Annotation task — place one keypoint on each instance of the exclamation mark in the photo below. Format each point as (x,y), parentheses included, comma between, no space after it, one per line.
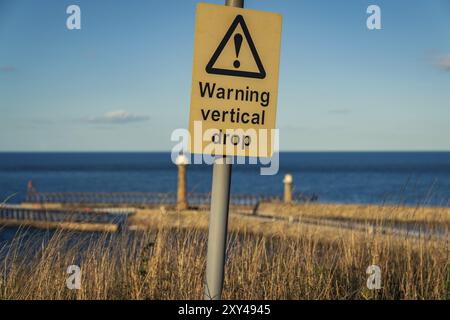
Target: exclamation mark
(237,47)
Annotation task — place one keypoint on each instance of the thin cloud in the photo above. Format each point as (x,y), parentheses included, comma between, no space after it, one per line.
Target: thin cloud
(291,127)
(339,111)
(7,69)
(117,117)
(90,55)
(443,62)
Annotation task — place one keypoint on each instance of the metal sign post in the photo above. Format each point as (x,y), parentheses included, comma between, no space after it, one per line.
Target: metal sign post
(218,218)
(233,105)
(218,223)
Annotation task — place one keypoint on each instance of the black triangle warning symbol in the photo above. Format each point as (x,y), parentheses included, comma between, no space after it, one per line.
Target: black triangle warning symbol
(261,74)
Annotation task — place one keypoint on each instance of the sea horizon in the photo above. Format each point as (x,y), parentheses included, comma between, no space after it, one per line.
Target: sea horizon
(284,151)
(410,178)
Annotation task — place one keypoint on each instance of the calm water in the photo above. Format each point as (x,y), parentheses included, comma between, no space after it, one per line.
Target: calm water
(410,178)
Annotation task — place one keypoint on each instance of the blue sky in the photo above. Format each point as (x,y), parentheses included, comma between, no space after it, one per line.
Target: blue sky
(122,82)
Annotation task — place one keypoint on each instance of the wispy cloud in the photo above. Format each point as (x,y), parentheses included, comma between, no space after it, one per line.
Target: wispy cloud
(339,111)
(291,127)
(117,117)
(7,69)
(443,62)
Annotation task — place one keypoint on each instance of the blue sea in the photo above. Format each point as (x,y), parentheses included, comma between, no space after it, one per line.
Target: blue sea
(413,178)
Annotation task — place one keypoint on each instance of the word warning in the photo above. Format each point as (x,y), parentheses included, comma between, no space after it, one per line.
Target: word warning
(234,81)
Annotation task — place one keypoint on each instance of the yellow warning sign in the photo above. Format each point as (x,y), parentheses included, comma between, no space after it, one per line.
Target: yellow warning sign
(234,81)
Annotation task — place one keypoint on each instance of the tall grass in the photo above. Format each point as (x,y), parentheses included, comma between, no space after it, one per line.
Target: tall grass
(371,213)
(265,261)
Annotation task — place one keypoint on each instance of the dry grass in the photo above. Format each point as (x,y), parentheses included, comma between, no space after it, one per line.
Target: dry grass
(375,213)
(266,260)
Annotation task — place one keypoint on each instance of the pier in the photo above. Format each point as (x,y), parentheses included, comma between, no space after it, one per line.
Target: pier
(148,199)
(109,211)
(82,219)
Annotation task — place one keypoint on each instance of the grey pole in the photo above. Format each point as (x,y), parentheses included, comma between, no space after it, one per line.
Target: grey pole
(218,222)
(218,218)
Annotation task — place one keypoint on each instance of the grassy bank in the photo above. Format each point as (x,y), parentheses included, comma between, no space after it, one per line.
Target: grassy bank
(366,213)
(266,260)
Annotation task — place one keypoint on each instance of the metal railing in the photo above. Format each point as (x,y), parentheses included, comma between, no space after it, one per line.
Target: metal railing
(53,215)
(149,198)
